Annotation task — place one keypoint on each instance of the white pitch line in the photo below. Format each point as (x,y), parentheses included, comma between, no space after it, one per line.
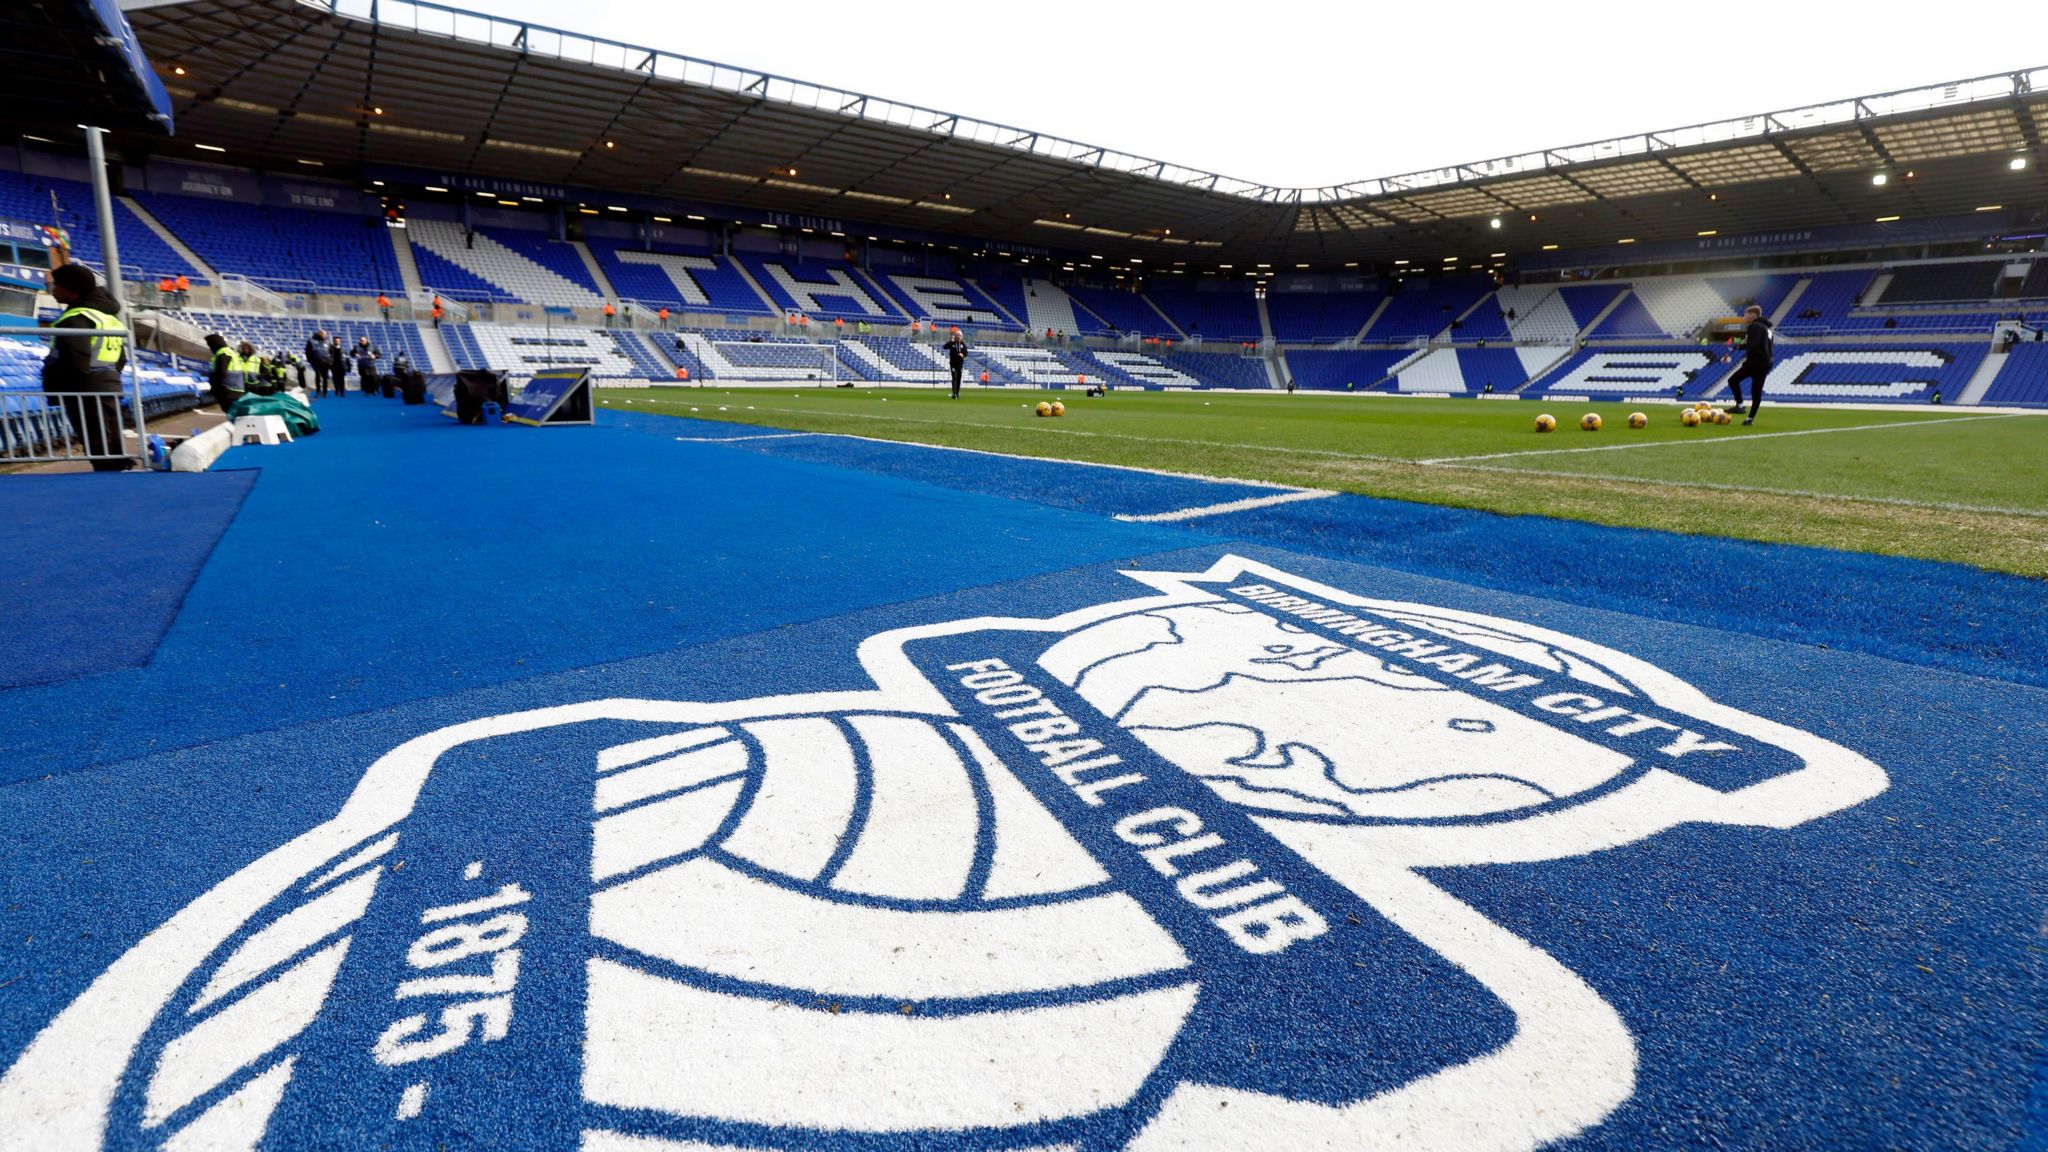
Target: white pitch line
(1456,462)
(1244,505)
(1050,426)
(1741,438)
(737,439)
(1710,486)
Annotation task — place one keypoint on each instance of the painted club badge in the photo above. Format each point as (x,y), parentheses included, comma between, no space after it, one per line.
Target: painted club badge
(1150,874)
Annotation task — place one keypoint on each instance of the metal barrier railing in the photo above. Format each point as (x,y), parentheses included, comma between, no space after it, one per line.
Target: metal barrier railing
(57,427)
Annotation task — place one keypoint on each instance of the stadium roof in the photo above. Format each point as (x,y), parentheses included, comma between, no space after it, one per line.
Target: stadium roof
(327,83)
(70,62)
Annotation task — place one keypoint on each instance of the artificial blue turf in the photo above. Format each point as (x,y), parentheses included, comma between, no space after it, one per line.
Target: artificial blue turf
(1868,980)
(399,555)
(97,565)
(1920,611)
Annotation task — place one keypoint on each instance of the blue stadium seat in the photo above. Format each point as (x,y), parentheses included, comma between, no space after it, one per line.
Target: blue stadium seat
(1219,369)
(1228,313)
(1118,310)
(272,334)
(283,247)
(1421,309)
(822,289)
(1318,317)
(1587,301)
(949,300)
(142,251)
(681,280)
(1346,370)
(2023,381)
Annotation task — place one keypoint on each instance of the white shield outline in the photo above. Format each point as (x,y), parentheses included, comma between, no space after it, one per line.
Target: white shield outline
(1570,1063)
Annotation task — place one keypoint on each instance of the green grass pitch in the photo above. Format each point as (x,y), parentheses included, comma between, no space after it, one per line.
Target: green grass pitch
(1947,484)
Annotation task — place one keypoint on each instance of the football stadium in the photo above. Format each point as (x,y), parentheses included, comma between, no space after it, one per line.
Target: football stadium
(566,595)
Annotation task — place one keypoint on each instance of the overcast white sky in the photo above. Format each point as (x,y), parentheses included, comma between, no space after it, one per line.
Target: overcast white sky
(1322,93)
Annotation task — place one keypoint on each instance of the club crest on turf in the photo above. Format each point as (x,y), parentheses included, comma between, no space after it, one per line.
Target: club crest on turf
(1160,872)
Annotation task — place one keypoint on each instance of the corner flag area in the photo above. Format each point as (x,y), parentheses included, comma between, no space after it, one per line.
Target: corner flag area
(734,774)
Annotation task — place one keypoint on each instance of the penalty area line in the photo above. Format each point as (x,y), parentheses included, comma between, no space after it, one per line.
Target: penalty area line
(1740,438)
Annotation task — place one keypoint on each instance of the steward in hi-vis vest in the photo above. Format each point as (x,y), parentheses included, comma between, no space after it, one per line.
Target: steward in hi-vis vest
(88,364)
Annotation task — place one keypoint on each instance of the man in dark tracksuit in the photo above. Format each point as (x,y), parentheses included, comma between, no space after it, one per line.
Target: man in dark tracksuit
(89,364)
(366,366)
(956,358)
(319,357)
(1756,363)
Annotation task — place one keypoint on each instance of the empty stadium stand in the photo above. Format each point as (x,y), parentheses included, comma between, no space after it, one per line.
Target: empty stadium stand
(1043,367)
(644,350)
(1612,373)
(1677,306)
(1137,370)
(1345,370)
(897,360)
(282,247)
(945,299)
(1228,313)
(1041,305)
(1967,282)
(1463,371)
(1629,320)
(501,264)
(762,360)
(143,252)
(1218,369)
(1318,317)
(679,281)
(1009,295)
(523,350)
(1826,302)
(1422,308)
(32,424)
(289,334)
(169,384)
(1119,311)
(1765,290)
(1587,301)
(1487,321)
(1539,314)
(2023,380)
(2035,285)
(827,289)
(1891,373)
(1888,374)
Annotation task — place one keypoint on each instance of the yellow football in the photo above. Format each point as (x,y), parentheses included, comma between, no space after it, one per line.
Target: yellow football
(1546,422)
(1590,422)
(1059,409)
(1043,409)
(1690,417)
(1638,420)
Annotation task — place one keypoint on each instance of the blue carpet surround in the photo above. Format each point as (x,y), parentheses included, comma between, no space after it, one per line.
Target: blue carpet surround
(80,592)
(1950,615)
(591,788)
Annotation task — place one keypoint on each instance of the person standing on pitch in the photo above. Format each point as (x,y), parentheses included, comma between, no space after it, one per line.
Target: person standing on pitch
(956,358)
(1756,363)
